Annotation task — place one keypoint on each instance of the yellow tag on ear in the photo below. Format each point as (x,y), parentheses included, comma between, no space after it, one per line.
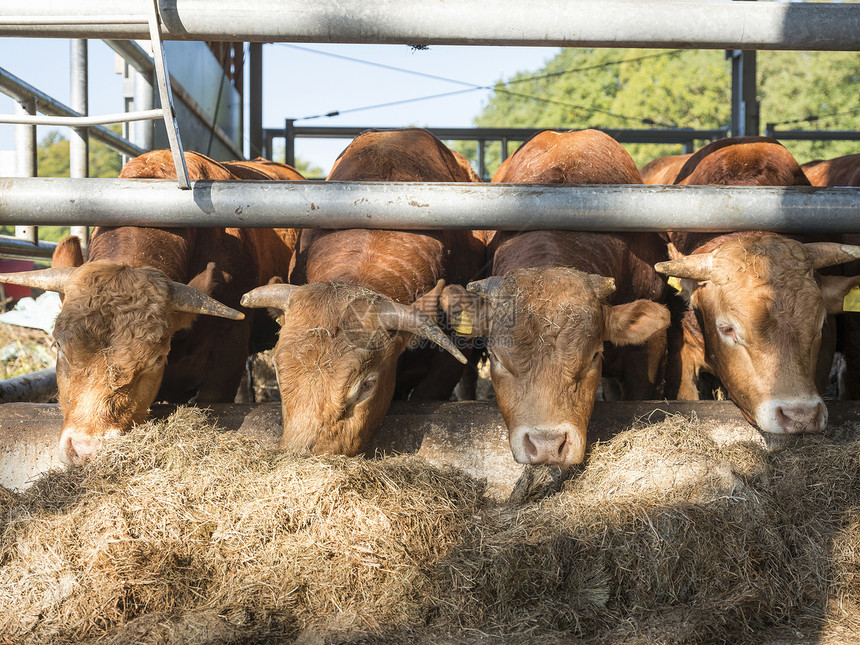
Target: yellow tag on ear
(675,283)
(462,323)
(851,301)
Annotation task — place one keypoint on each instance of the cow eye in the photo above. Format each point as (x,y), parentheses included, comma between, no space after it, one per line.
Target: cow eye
(596,356)
(365,389)
(728,332)
(497,363)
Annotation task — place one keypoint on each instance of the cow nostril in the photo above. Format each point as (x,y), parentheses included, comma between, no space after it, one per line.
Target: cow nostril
(562,449)
(531,448)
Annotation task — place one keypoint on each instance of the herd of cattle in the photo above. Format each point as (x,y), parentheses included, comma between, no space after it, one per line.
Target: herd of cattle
(370,315)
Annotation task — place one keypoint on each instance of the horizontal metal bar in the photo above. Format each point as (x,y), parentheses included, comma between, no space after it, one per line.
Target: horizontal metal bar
(622,135)
(13,86)
(11,247)
(688,24)
(813,135)
(417,206)
(84,121)
(116,19)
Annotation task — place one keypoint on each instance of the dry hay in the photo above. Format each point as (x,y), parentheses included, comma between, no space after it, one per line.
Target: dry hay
(180,534)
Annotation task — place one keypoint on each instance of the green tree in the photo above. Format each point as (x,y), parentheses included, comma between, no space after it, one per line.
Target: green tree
(635,88)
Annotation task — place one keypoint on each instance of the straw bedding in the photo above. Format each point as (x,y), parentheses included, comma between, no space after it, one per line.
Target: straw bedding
(177,533)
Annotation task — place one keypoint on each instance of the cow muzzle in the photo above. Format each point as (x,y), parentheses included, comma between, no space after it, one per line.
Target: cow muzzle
(792,416)
(560,445)
(77,447)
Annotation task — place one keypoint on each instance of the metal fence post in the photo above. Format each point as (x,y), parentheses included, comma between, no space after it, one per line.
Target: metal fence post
(79,141)
(26,159)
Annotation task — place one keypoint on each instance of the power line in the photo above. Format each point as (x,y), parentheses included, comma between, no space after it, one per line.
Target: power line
(476,87)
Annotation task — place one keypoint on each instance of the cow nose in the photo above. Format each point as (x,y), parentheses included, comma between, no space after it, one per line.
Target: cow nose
(77,447)
(801,418)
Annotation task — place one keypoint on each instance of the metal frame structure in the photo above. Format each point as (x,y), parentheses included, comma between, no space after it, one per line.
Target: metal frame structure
(612,23)
(684,136)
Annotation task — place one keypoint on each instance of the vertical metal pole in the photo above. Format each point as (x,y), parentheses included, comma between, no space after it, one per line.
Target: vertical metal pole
(128,76)
(26,160)
(482,162)
(144,99)
(255,89)
(745,108)
(79,148)
(290,142)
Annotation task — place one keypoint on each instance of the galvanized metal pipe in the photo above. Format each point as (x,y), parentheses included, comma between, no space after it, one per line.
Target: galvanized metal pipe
(26,160)
(13,86)
(79,141)
(416,206)
(686,24)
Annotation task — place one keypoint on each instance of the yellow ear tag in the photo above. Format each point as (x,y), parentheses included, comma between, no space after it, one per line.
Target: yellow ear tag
(851,301)
(675,283)
(462,323)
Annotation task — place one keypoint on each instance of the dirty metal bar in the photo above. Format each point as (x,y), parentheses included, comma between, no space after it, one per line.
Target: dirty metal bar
(685,24)
(13,86)
(417,206)
(34,387)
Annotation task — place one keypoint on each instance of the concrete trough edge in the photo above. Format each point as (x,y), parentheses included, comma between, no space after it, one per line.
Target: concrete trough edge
(467,435)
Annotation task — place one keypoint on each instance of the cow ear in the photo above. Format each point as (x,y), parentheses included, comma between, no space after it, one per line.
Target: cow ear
(428,304)
(633,323)
(68,253)
(834,289)
(467,313)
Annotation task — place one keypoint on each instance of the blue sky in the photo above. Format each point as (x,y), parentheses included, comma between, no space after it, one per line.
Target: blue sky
(305,80)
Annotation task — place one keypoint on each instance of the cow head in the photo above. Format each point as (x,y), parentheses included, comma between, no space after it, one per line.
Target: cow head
(113,335)
(545,330)
(336,360)
(762,308)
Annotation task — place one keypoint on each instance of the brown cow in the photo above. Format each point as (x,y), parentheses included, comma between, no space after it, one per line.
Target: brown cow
(356,302)
(663,170)
(757,302)
(843,171)
(554,298)
(128,329)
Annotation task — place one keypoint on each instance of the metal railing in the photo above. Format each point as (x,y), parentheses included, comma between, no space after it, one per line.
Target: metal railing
(683,136)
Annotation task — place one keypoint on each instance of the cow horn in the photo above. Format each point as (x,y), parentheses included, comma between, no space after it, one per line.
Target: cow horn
(276,296)
(488,287)
(603,287)
(45,279)
(694,267)
(393,315)
(194,301)
(826,254)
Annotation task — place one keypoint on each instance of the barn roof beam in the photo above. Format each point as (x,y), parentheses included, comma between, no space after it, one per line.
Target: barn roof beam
(689,24)
(416,206)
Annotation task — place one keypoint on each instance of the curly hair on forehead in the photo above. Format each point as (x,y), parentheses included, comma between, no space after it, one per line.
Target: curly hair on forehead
(119,311)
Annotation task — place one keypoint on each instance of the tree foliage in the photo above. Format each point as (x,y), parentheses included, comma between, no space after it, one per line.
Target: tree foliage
(636,88)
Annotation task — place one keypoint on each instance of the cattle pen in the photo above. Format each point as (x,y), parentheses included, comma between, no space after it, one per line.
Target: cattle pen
(685,524)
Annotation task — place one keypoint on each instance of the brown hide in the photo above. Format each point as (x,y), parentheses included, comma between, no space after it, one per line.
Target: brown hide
(547,323)
(758,317)
(399,265)
(663,170)
(843,171)
(112,366)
